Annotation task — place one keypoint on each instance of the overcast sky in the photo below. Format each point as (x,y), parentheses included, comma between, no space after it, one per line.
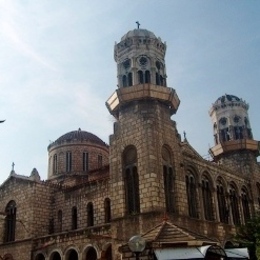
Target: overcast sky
(57,67)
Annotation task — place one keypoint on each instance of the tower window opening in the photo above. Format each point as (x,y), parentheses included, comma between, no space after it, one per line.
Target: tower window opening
(74,218)
(157,78)
(60,221)
(90,215)
(132,190)
(68,162)
(124,81)
(55,163)
(140,77)
(107,208)
(100,161)
(224,134)
(147,76)
(169,188)
(85,161)
(130,79)
(238,131)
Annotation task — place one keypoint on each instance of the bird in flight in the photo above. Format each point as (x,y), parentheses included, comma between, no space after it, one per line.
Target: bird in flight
(2,121)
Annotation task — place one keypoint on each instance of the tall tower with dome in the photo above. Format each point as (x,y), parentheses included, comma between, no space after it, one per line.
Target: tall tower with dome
(144,137)
(234,143)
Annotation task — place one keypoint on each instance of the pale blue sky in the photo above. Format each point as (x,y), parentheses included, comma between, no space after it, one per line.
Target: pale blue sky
(57,67)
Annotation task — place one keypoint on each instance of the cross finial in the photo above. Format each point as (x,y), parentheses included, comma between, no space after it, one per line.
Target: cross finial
(138,24)
(13,166)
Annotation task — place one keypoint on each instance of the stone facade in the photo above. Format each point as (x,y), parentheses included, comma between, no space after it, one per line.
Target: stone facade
(98,196)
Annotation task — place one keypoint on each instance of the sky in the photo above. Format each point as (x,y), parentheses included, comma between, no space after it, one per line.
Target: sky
(57,67)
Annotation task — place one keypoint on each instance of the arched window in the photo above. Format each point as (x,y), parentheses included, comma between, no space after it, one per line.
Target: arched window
(60,221)
(157,78)
(131,180)
(207,198)
(90,215)
(55,163)
(222,205)
(10,221)
(130,79)
(107,208)
(140,77)
(168,178)
(147,76)
(245,204)
(74,218)
(85,161)
(124,81)
(234,205)
(68,162)
(191,194)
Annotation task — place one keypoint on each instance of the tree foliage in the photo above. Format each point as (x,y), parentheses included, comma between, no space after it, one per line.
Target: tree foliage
(248,235)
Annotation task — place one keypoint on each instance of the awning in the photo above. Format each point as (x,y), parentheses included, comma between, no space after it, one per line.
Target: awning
(188,252)
(241,253)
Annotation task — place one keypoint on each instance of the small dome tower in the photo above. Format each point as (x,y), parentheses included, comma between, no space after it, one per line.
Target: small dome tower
(145,138)
(141,71)
(232,130)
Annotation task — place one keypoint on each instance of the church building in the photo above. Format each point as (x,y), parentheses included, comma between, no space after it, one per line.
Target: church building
(148,183)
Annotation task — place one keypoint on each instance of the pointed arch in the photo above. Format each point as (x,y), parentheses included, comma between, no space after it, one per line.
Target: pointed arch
(10,221)
(222,203)
(245,203)
(206,186)
(191,190)
(233,196)
(169,179)
(131,180)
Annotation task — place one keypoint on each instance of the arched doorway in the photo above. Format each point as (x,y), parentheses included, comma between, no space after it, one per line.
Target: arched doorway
(40,257)
(72,255)
(55,256)
(91,254)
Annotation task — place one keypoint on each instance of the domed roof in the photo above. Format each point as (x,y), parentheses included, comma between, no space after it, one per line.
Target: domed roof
(78,135)
(139,33)
(227,98)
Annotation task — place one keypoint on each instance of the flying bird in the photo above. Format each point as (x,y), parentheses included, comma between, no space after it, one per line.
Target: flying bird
(2,121)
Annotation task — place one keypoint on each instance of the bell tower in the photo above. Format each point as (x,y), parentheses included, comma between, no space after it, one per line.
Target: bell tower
(145,138)
(234,142)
